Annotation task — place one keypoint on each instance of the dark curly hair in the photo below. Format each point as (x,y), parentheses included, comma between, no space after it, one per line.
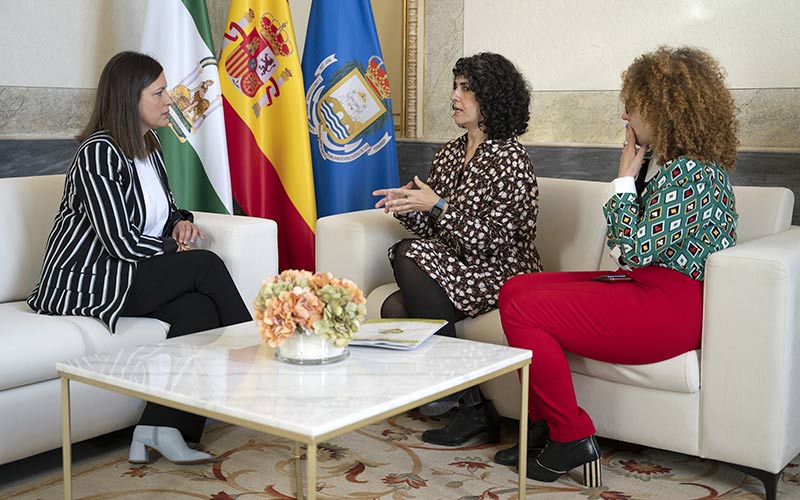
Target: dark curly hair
(501,91)
(681,94)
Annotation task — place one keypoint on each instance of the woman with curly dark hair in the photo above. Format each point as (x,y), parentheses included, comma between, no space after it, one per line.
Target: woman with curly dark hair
(475,220)
(673,207)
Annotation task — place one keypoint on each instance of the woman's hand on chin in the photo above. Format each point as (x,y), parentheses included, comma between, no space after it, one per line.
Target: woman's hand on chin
(630,162)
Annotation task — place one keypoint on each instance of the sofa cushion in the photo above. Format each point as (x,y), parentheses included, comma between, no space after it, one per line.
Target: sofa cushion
(762,211)
(28,205)
(130,332)
(678,374)
(32,343)
(376,298)
(570,228)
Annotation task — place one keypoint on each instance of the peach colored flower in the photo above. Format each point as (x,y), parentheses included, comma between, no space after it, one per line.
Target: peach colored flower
(278,322)
(319,280)
(319,302)
(307,307)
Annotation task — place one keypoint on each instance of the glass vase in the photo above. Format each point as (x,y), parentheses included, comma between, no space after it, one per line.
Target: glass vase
(306,348)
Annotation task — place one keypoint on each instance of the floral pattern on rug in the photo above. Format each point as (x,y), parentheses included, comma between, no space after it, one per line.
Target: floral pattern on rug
(388,461)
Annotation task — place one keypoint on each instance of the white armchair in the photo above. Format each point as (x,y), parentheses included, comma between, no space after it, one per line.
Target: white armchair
(247,245)
(33,343)
(746,411)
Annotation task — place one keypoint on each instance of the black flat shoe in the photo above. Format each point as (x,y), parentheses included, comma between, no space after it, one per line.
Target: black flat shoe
(537,439)
(465,425)
(558,458)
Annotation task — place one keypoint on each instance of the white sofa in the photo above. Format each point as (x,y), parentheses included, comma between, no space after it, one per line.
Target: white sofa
(30,397)
(746,411)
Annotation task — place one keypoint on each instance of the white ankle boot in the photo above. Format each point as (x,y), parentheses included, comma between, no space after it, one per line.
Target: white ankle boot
(167,441)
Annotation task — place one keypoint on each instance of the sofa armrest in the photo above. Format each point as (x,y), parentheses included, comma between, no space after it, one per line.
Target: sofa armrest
(247,245)
(750,369)
(353,245)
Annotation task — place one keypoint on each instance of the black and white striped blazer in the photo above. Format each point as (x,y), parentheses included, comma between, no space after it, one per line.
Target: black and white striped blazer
(96,240)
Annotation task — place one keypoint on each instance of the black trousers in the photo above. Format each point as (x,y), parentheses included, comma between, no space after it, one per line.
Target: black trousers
(192,291)
(420,296)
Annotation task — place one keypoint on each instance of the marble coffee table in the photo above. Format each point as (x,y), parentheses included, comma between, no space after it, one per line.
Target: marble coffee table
(228,374)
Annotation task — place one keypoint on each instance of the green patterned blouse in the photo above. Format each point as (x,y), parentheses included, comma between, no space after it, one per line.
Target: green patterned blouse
(686,213)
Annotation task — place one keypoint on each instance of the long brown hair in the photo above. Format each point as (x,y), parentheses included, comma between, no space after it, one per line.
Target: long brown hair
(116,105)
(681,94)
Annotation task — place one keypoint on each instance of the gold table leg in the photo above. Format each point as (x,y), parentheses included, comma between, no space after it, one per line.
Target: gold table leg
(298,471)
(66,441)
(522,466)
(311,471)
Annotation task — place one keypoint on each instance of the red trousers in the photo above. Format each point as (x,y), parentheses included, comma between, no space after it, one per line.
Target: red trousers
(655,317)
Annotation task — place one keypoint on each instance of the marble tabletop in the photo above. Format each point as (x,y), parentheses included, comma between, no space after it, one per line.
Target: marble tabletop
(231,372)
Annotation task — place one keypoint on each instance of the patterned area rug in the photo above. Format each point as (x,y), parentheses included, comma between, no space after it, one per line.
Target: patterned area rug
(388,461)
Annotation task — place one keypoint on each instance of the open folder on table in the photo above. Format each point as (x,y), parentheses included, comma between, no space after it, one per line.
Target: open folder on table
(404,334)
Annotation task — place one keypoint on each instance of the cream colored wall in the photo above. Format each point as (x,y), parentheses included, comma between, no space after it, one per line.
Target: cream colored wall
(64,43)
(573,51)
(580,45)
(53,51)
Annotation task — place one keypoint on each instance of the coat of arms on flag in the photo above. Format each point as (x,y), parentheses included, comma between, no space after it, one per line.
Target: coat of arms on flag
(177,33)
(349,107)
(254,63)
(356,104)
(194,98)
(264,104)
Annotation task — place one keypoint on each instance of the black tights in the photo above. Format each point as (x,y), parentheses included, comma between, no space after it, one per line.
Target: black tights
(420,296)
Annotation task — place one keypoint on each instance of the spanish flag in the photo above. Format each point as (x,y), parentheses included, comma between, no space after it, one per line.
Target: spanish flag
(265,117)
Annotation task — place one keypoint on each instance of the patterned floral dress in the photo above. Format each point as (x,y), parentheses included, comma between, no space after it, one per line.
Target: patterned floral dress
(487,233)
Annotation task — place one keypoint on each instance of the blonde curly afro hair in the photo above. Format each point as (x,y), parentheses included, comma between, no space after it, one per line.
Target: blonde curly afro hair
(681,94)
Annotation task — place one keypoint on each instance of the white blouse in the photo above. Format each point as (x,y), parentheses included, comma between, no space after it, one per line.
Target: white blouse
(155,197)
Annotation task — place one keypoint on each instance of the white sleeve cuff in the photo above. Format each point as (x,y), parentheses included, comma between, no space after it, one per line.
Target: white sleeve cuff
(624,185)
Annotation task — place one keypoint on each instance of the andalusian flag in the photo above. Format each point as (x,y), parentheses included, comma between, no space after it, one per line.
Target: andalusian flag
(349,107)
(265,115)
(177,34)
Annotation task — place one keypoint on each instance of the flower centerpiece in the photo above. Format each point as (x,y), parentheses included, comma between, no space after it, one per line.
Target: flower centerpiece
(309,317)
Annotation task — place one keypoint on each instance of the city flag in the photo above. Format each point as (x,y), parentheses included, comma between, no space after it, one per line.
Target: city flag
(177,34)
(265,115)
(349,107)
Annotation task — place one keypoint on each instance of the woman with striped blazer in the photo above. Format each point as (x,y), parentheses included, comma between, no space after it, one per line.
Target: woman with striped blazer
(120,246)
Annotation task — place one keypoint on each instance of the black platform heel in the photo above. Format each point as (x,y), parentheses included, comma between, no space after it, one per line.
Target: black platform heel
(558,458)
(470,421)
(538,436)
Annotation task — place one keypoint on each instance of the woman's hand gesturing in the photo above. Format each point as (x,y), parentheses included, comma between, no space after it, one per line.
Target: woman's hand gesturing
(406,199)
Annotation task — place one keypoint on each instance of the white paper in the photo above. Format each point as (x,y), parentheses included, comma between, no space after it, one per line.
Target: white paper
(403,334)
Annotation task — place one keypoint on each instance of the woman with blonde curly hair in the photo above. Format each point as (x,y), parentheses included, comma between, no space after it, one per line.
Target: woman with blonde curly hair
(673,206)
